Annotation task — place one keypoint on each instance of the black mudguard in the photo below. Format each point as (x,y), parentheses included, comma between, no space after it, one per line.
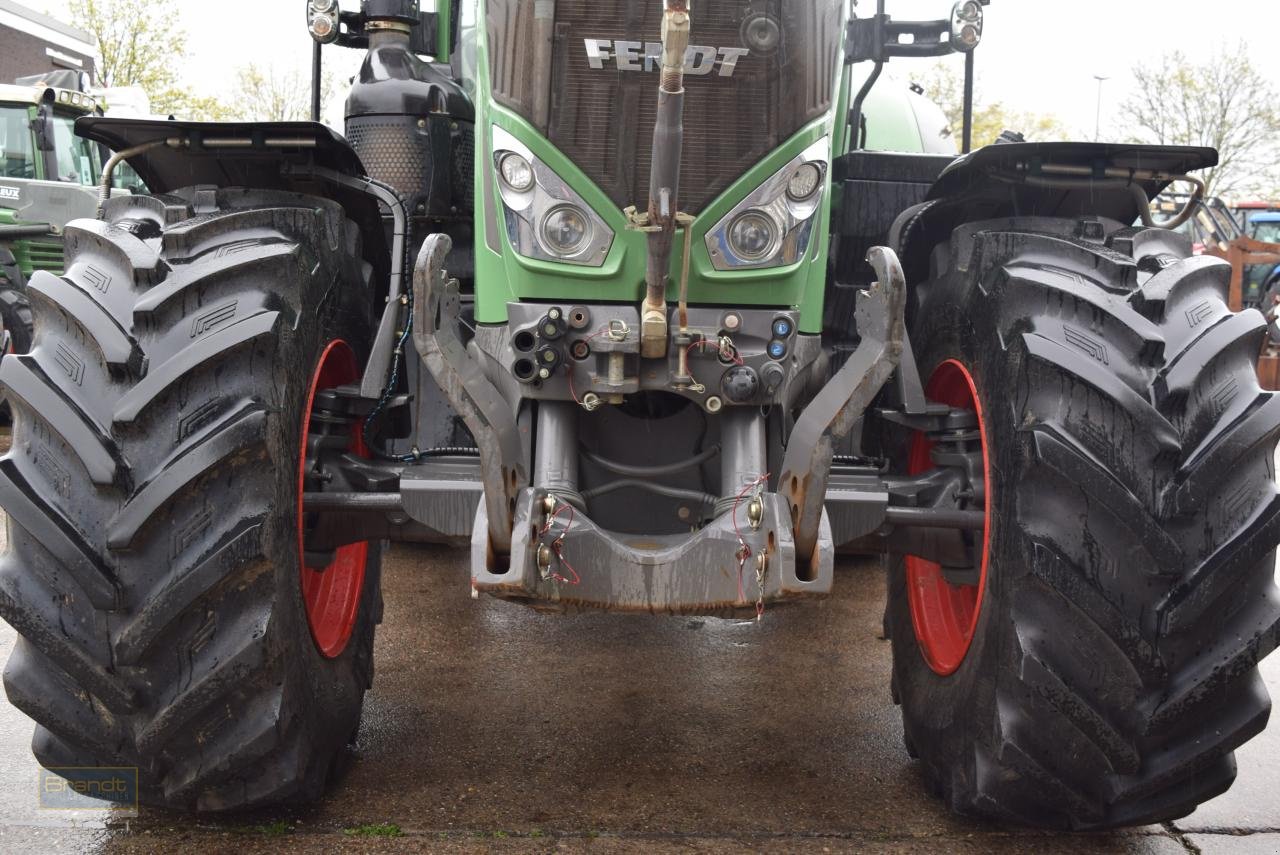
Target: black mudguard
(266,161)
(977,187)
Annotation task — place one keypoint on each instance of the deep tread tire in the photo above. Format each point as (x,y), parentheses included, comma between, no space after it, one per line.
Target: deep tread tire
(153,562)
(15,314)
(1130,594)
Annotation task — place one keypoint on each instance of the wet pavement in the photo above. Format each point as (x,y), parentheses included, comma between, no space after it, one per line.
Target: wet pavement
(491,727)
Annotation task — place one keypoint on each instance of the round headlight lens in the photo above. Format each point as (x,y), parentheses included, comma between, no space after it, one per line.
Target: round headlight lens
(752,236)
(565,229)
(805,182)
(516,172)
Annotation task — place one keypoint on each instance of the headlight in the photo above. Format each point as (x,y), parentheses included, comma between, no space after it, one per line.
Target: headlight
(773,226)
(565,229)
(546,218)
(752,235)
(806,181)
(516,172)
(966,25)
(321,27)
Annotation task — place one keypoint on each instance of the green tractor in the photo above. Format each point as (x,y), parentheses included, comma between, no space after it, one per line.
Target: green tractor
(650,354)
(48,177)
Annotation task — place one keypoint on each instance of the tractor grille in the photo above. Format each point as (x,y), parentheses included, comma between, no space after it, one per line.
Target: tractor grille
(603,119)
(39,255)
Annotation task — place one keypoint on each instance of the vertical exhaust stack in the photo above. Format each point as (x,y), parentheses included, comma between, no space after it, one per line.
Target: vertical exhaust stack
(664,179)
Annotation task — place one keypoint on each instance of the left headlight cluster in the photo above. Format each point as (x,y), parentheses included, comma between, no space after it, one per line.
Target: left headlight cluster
(546,218)
(774,225)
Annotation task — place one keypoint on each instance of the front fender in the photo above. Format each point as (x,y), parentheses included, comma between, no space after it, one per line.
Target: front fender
(245,154)
(992,184)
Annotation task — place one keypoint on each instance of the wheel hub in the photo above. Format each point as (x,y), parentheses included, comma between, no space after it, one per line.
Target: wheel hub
(331,592)
(945,602)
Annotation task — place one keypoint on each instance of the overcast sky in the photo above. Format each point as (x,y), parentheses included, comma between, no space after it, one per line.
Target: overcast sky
(1038,55)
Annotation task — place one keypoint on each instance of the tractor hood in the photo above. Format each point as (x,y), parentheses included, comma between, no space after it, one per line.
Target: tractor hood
(756,72)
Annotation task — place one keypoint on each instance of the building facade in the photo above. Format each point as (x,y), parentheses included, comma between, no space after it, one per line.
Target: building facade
(32,43)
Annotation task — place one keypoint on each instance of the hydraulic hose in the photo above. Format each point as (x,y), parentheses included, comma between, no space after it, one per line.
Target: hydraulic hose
(104,186)
(664,178)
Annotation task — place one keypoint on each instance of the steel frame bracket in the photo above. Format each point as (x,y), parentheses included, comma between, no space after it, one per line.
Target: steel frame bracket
(806,467)
(471,394)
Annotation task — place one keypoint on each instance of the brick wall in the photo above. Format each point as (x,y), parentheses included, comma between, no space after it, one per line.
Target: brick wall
(22,54)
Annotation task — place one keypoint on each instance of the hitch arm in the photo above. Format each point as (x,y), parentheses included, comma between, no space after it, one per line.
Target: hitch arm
(842,402)
(478,401)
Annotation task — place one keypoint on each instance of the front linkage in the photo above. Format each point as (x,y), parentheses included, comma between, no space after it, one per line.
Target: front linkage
(768,539)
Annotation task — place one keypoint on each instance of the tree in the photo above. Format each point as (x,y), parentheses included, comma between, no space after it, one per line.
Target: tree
(142,46)
(1224,103)
(272,95)
(945,87)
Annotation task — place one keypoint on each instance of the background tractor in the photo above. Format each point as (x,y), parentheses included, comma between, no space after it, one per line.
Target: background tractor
(654,354)
(1254,257)
(48,177)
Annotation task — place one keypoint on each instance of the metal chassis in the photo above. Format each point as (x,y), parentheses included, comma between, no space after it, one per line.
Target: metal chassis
(521,543)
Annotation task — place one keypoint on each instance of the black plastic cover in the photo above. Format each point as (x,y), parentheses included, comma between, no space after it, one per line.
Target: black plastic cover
(394,81)
(165,169)
(974,175)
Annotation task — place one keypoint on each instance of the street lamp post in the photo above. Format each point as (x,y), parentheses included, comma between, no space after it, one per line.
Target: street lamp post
(1097,126)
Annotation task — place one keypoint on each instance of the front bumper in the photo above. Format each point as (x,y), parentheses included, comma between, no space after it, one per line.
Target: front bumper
(704,572)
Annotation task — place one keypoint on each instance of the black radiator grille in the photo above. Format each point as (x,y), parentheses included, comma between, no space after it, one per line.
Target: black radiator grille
(603,119)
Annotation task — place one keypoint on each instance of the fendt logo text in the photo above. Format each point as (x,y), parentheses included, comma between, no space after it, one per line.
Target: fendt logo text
(647,56)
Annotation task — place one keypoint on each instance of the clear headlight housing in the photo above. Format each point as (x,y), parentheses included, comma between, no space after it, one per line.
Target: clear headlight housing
(516,172)
(546,218)
(773,227)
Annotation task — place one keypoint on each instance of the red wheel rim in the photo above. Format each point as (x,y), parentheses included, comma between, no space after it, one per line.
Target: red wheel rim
(944,615)
(331,594)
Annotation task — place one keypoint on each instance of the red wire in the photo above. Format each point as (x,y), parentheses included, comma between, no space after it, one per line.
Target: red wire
(557,545)
(744,551)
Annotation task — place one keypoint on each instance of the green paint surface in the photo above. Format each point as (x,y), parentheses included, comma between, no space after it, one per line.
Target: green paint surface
(504,276)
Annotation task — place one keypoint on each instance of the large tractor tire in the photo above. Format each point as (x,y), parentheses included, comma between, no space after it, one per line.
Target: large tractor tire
(15,316)
(1103,670)
(15,310)
(154,566)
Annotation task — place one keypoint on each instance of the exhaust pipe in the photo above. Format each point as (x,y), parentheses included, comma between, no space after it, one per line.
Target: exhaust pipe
(664,178)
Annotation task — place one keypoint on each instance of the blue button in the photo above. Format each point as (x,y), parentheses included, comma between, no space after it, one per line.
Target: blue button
(782,328)
(777,349)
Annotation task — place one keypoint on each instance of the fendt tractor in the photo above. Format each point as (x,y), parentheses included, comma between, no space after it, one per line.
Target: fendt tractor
(651,352)
(48,177)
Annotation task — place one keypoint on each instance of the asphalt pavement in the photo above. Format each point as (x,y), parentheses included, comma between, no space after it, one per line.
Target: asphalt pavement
(492,727)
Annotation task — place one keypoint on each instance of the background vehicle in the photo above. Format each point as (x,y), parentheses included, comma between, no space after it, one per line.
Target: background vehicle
(670,377)
(48,177)
(1242,211)
(1254,260)
(1262,279)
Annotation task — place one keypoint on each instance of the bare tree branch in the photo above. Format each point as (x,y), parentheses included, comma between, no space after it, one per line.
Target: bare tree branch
(1224,103)
(141,45)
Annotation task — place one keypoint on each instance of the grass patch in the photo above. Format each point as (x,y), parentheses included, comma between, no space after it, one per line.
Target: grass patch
(374,829)
(274,829)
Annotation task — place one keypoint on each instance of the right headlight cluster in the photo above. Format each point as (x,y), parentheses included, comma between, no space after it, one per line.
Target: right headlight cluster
(774,225)
(546,218)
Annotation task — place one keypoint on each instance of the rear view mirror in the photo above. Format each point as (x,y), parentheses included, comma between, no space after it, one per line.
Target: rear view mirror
(42,129)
